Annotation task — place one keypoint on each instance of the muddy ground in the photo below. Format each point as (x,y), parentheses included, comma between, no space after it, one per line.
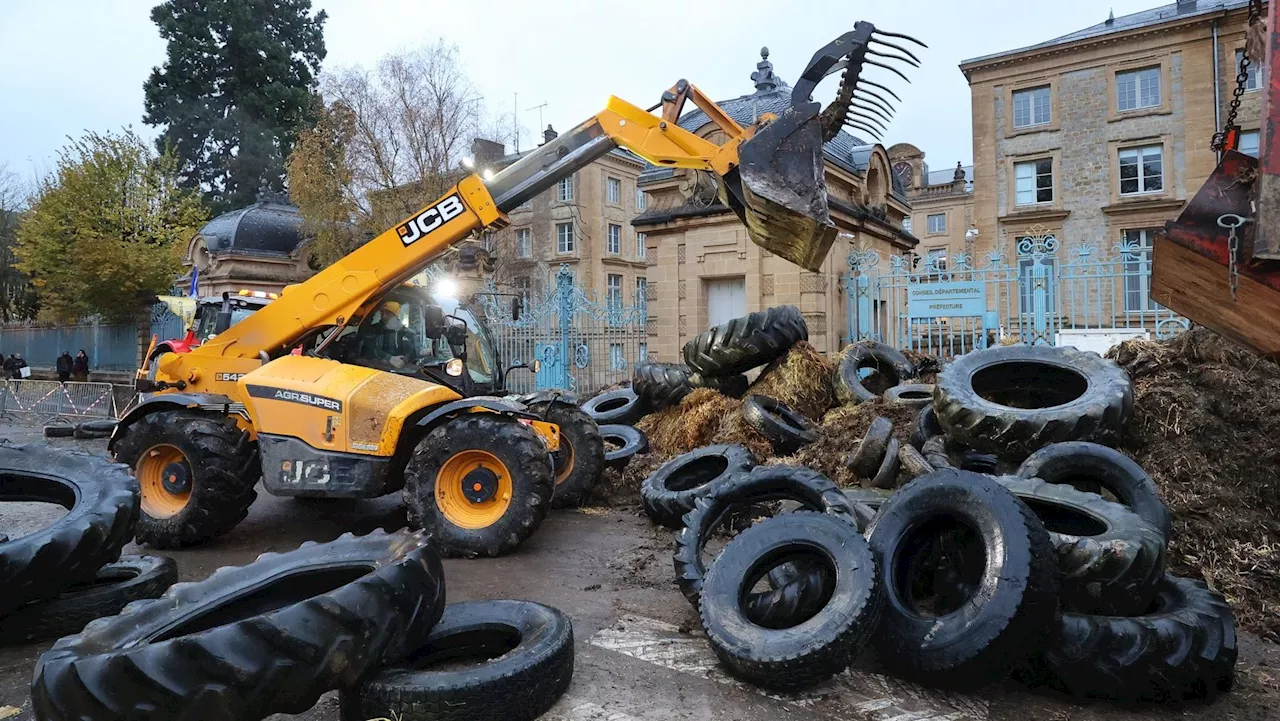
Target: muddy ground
(639,651)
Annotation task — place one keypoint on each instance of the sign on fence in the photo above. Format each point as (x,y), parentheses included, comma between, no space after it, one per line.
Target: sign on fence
(44,401)
(944,300)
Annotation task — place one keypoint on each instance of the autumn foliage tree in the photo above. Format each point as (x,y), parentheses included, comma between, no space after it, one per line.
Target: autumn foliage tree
(18,299)
(106,228)
(389,140)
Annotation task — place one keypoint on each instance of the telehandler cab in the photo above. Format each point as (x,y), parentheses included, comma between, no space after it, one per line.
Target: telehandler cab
(476,471)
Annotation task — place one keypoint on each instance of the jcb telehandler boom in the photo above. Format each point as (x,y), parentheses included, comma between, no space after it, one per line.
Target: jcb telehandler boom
(475,471)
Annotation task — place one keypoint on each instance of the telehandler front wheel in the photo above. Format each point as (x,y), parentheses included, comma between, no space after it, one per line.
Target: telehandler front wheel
(196,472)
(480,485)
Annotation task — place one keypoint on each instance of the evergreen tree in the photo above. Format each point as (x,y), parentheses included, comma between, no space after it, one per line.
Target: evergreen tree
(237,87)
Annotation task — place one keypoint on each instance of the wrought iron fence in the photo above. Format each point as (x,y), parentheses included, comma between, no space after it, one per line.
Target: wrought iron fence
(584,344)
(110,346)
(45,401)
(949,307)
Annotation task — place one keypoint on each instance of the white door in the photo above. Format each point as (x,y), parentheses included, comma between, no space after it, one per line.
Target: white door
(726,300)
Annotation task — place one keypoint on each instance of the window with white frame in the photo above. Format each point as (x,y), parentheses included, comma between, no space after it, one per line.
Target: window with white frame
(615,239)
(1249,141)
(906,224)
(641,249)
(615,190)
(613,295)
(642,200)
(1137,270)
(1253,76)
(1137,89)
(617,357)
(642,290)
(936,260)
(564,237)
(524,242)
(564,189)
(642,353)
(1033,182)
(1142,170)
(1032,107)
(938,223)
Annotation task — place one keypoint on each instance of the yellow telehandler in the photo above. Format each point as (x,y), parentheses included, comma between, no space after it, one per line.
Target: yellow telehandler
(476,470)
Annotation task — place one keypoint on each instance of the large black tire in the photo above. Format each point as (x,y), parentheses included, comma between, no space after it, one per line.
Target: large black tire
(437,484)
(867,502)
(102,502)
(1183,648)
(816,648)
(630,441)
(1013,400)
(1092,467)
(250,641)
(94,429)
(747,342)
(971,581)
(531,647)
(670,491)
(787,429)
(733,386)
(887,362)
(220,464)
(1111,560)
(805,486)
(661,385)
(132,578)
(580,459)
(620,406)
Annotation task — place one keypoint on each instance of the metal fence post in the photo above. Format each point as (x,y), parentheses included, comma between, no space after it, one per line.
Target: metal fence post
(564,301)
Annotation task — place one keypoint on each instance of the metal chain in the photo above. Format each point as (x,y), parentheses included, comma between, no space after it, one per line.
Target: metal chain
(1219,141)
(1232,221)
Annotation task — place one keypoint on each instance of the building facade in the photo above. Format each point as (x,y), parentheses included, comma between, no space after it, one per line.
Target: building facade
(941,202)
(1100,136)
(704,268)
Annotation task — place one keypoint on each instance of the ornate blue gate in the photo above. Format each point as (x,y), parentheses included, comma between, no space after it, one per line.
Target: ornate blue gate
(584,344)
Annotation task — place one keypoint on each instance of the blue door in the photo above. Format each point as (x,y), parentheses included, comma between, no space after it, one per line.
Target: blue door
(551,372)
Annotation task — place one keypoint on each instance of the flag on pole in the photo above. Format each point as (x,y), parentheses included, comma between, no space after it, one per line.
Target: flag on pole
(195,280)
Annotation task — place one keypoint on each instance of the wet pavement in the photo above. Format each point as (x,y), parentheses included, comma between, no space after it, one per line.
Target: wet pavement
(639,650)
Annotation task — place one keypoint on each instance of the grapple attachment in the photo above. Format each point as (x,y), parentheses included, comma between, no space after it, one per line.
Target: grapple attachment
(779,189)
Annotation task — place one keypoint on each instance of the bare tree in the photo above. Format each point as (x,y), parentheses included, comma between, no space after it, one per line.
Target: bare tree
(390,140)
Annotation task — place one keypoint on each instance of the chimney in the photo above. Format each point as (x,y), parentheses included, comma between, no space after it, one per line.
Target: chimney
(1187,6)
(487,152)
(549,134)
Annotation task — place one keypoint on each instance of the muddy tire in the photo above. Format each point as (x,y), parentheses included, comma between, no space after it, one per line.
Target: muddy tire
(887,474)
(971,580)
(620,406)
(630,441)
(787,429)
(116,585)
(196,472)
(661,385)
(926,427)
(670,492)
(59,431)
(1091,467)
(733,386)
(250,641)
(867,457)
(914,395)
(89,430)
(816,648)
(1013,400)
(747,342)
(884,359)
(867,502)
(1111,560)
(531,647)
(102,502)
(812,490)
(1183,648)
(580,460)
(478,485)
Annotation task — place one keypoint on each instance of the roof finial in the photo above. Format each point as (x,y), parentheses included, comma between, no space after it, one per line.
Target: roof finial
(959,174)
(1111,17)
(764,78)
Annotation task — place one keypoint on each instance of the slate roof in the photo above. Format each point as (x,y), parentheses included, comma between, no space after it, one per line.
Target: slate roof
(270,226)
(1133,21)
(948,176)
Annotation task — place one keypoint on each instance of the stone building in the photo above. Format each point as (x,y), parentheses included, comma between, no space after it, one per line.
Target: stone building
(705,270)
(260,247)
(941,201)
(1102,135)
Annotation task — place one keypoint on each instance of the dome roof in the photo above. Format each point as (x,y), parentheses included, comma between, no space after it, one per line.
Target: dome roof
(270,226)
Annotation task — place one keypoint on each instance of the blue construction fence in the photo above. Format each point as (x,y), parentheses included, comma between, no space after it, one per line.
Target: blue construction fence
(110,346)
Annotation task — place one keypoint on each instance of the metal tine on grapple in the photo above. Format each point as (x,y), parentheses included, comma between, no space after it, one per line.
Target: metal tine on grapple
(869,61)
(888,34)
(895,46)
(866,96)
(891,56)
(874,84)
(859,126)
(867,118)
(877,112)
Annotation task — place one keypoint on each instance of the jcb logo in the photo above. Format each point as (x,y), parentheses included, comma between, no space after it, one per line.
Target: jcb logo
(430,219)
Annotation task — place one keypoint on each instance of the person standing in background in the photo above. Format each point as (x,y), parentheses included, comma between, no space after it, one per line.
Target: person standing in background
(80,368)
(63,366)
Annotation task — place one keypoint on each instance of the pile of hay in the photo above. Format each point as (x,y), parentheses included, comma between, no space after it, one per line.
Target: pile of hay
(802,379)
(702,418)
(839,433)
(1206,427)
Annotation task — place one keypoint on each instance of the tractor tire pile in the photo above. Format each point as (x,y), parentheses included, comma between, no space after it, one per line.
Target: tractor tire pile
(986,520)
(364,615)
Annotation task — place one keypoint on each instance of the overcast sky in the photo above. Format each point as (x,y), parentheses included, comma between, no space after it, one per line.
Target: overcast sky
(67,66)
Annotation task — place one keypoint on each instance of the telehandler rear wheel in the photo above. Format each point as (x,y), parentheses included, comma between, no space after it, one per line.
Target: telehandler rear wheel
(480,485)
(196,472)
(580,460)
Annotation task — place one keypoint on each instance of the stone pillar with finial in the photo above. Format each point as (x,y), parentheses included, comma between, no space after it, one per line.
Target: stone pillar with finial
(763,77)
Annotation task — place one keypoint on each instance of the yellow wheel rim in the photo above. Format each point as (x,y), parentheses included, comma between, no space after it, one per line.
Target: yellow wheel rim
(473,489)
(565,459)
(165,478)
